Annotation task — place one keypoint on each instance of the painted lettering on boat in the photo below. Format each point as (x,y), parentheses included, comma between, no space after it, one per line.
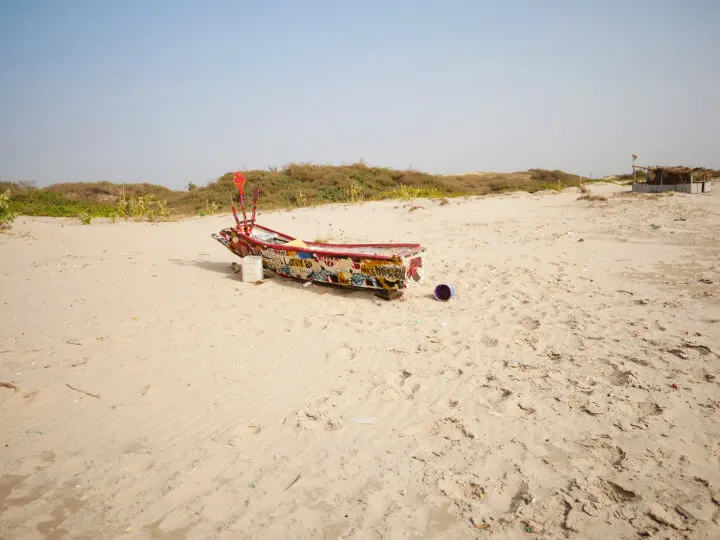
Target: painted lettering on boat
(378,269)
(415,269)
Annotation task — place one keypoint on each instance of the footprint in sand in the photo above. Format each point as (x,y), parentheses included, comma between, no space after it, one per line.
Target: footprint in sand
(451,428)
(398,384)
(497,397)
(461,488)
(489,342)
(312,420)
(607,493)
(530,323)
(238,434)
(650,408)
(600,451)
(341,353)
(620,378)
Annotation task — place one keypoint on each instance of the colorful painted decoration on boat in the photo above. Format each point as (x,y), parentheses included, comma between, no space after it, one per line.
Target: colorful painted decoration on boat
(345,265)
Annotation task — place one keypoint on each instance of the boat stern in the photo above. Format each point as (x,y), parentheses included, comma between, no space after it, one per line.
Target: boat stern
(414,271)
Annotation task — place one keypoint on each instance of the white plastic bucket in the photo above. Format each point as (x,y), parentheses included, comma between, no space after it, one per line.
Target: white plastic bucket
(252,268)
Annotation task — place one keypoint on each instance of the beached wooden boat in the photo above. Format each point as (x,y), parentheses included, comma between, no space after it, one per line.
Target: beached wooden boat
(385,267)
(367,266)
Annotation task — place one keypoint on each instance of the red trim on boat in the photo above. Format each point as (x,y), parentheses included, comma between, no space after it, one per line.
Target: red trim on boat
(410,249)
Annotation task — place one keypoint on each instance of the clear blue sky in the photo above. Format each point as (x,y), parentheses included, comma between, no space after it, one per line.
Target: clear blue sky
(174,91)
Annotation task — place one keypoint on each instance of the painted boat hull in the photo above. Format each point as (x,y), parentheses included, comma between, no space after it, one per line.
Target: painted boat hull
(363,266)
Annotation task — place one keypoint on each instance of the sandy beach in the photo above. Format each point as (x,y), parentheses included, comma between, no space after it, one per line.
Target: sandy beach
(570,389)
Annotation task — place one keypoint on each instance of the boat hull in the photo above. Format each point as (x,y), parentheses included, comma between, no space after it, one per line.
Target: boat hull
(364,266)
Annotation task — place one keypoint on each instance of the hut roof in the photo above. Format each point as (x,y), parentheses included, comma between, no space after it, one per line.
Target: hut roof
(677,169)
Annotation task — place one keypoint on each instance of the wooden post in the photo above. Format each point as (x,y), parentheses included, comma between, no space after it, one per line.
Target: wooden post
(390,294)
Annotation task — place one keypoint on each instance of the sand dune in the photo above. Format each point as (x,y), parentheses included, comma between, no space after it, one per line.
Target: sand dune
(570,389)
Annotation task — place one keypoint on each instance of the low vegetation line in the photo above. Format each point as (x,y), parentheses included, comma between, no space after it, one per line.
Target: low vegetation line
(296,185)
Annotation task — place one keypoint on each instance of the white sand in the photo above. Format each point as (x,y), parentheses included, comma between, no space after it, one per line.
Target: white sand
(540,396)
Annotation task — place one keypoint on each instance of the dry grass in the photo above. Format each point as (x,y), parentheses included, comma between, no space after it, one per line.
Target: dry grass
(587,195)
(593,198)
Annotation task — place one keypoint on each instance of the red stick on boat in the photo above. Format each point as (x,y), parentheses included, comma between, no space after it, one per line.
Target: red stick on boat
(256,196)
(237,220)
(239,181)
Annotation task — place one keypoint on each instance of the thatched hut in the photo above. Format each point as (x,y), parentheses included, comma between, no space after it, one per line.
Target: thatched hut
(676,175)
(683,179)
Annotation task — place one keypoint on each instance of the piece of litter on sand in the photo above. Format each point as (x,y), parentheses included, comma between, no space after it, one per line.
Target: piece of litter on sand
(706,281)
(8,385)
(307,284)
(96,396)
(364,420)
(291,484)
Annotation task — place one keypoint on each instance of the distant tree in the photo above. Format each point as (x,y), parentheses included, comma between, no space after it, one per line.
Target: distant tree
(27,184)
(191,186)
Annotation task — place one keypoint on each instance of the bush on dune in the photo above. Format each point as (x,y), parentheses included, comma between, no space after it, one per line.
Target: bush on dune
(7,216)
(295,185)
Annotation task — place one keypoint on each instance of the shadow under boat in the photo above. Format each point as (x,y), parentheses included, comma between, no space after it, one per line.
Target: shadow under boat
(315,287)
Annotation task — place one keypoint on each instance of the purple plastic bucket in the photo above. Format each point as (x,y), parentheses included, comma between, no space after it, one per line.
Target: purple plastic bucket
(444,292)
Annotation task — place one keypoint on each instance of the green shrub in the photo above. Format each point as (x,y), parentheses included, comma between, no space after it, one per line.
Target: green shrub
(40,202)
(208,208)
(143,207)
(298,199)
(7,216)
(332,194)
(354,192)
(409,192)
